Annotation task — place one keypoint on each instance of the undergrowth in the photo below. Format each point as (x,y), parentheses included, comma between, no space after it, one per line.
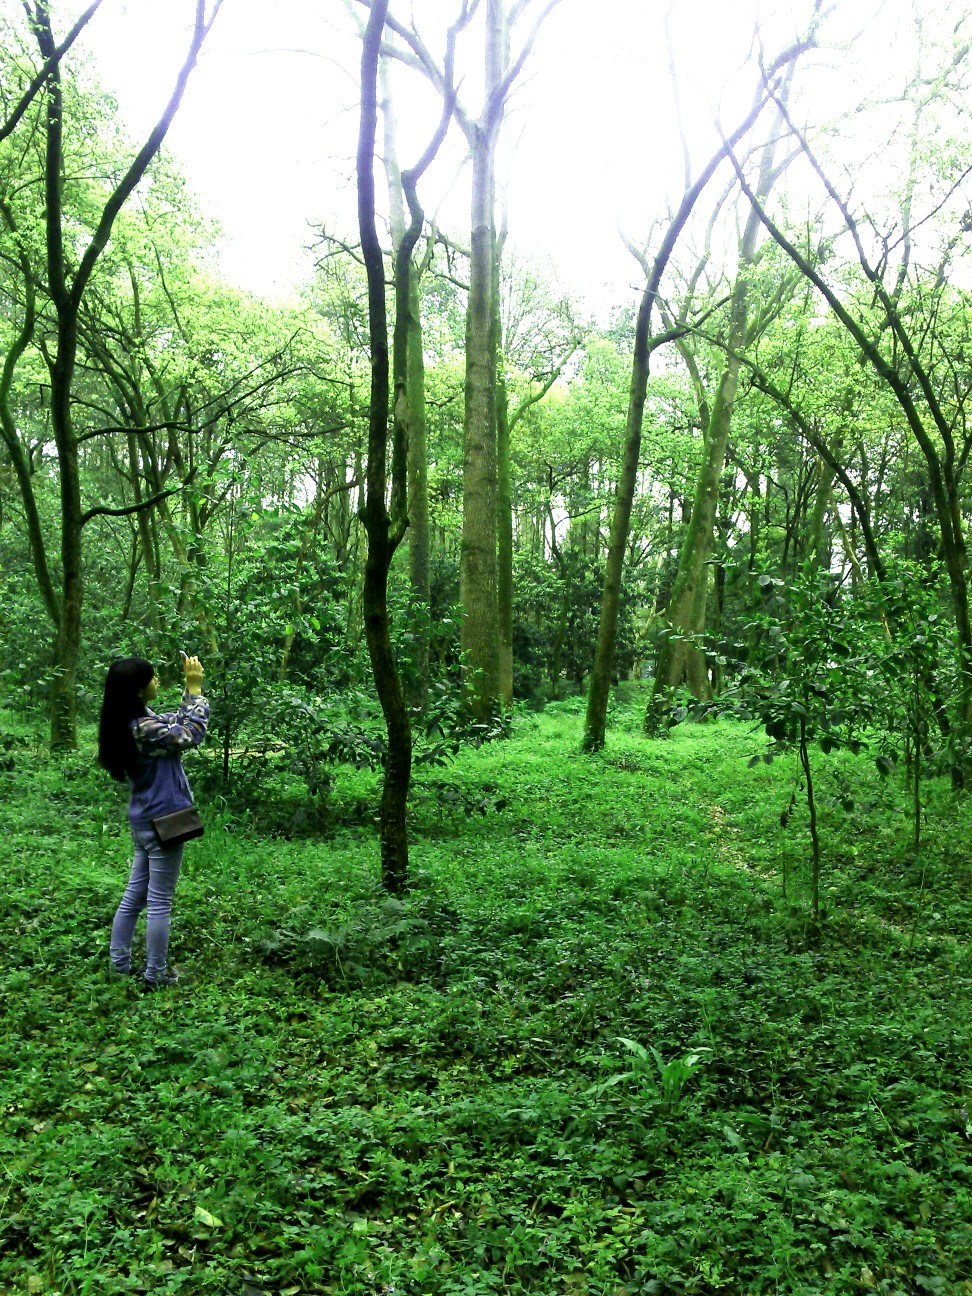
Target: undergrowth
(596,1050)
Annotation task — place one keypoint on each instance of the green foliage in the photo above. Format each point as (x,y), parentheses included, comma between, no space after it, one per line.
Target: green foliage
(649,1070)
(591,1051)
(810,654)
(376,942)
(807,679)
(917,670)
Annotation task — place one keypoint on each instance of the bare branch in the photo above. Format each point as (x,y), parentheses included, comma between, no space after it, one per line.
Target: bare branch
(145,154)
(103,511)
(503,89)
(27,98)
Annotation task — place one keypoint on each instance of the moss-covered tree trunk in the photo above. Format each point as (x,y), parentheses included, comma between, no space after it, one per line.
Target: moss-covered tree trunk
(598,693)
(680,657)
(504,516)
(408,377)
(477,563)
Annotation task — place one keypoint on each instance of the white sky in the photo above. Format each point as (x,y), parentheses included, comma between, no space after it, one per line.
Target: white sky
(267,129)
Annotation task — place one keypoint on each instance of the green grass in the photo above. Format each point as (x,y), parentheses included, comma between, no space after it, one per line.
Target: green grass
(353,1095)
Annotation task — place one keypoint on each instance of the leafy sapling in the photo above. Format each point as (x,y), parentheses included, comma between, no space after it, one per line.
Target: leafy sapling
(807,681)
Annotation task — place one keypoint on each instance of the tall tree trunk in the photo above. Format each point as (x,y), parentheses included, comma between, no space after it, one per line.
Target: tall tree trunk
(679,658)
(504,535)
(67,642)
(598,694)
(419,546)
(477,563)
(817,546)
(477,566)
(146,540)
(477,557)
(381,543)
(686,608)
(66,295)
(411,385)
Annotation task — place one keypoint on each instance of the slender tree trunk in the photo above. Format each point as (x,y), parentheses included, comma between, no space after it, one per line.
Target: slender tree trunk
(67,642)
(477,563)
(477,569)
(133,566)
(599,691)
(504,532)
(477,559)
(686,608)
(598,694)
(66,295)
(381,543)
(144,533)
(678,658)
(822,497)
(409,385)
(419,569)
(814,834)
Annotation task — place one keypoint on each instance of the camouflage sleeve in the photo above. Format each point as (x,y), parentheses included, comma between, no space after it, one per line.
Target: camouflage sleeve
(174,731)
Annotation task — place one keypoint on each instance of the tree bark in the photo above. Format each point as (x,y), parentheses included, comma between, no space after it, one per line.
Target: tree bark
(66,296)
(679,658)
(598,694)
(381,542)
(408,378)
(504,538)
(477,556)
(477,563)
(943,470)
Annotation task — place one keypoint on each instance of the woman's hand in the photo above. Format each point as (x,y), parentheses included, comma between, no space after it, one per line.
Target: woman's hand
(194,674)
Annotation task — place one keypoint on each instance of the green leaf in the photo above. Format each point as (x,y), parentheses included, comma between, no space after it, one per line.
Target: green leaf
(634,1047)
(733,1139)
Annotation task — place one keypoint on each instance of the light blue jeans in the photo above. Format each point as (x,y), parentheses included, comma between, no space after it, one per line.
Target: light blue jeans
(151,886)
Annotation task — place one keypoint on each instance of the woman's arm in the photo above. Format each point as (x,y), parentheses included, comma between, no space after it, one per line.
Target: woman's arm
(157,735)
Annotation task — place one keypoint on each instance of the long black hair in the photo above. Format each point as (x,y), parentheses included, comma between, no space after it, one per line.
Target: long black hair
(116,746)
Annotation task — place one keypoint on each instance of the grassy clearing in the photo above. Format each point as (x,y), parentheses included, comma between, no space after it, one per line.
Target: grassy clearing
(354,1095)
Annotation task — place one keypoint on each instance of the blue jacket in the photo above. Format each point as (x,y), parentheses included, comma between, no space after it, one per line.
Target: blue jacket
(161,786)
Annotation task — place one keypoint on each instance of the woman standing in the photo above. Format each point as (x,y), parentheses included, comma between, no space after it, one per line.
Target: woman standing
(146,749)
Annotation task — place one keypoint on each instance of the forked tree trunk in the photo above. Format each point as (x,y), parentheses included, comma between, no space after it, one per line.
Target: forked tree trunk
(411,384)
(598,694)
(381,543)
(66,294)
(680,656)
(477,557)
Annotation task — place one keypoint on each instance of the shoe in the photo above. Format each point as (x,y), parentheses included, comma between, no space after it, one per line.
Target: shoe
(121,973)
(158,983)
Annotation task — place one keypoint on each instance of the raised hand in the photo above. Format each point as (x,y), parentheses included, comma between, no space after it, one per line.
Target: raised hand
(194,674)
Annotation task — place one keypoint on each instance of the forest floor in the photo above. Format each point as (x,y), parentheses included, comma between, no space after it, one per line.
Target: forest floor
(595,1051)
